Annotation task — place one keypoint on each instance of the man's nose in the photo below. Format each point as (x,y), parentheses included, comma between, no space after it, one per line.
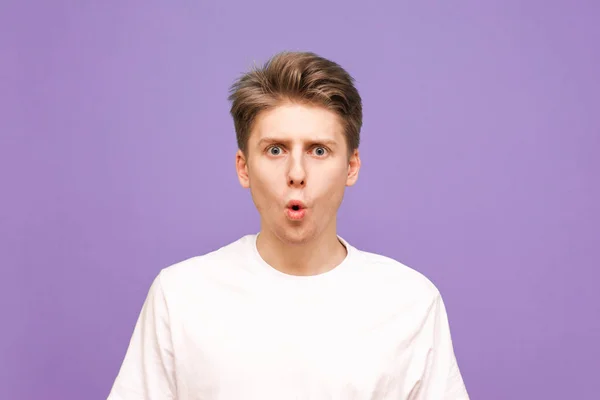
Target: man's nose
(297,173)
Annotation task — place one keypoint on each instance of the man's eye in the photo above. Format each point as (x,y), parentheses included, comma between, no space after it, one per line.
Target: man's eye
(320,151)
(274,150)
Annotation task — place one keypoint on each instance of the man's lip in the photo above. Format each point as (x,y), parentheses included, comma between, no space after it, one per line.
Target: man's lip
(296,203)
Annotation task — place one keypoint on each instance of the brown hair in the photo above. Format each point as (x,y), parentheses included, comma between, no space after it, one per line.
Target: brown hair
(296,76)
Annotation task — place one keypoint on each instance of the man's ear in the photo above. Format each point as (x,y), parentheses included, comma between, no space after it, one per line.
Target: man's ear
(241,166)
(353,168)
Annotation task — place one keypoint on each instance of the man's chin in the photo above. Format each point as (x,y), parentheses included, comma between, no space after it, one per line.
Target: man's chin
(295,235)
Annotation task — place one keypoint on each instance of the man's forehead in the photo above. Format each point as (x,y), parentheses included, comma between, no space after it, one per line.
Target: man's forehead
(294,115)
(333,132)
(291,138)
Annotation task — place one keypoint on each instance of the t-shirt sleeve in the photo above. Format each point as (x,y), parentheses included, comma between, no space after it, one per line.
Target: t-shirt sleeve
(442,379)
(147,371)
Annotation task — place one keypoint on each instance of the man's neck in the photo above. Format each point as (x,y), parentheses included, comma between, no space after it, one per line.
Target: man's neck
(317,256)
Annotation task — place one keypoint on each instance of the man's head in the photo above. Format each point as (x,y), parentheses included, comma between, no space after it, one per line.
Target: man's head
(297,121)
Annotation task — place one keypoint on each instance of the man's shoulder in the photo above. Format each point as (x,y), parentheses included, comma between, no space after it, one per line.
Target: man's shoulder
(216,262)
(389,272)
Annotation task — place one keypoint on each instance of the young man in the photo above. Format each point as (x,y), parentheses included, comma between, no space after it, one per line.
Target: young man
(295,311)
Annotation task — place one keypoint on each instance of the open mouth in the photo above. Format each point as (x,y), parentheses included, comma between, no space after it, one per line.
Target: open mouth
(295,205)
(295,210)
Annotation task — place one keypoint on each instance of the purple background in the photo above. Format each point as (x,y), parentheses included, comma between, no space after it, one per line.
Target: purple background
(480,169)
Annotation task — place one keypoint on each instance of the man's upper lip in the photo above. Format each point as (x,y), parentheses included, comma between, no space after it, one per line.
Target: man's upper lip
(296,203)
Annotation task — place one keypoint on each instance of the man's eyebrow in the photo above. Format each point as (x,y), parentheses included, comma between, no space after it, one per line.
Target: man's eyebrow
(328,142)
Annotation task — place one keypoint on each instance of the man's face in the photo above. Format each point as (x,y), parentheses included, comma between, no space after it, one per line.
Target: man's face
(297,168)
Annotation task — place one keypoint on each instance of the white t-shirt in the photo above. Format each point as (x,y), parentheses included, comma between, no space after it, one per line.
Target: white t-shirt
(228,326)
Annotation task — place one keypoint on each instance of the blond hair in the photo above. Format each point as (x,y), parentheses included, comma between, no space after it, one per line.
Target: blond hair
(298,77)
